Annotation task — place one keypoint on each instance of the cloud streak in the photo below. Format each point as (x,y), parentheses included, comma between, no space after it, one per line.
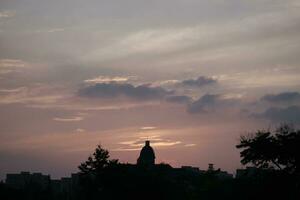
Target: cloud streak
(39,94)
(7,14)
(71,119)
(180,99)
(107,79)
(282,97)
(199,82)
(290,114)
(113,90)
(156,141)
(148,128)
(8,66)
(211,103)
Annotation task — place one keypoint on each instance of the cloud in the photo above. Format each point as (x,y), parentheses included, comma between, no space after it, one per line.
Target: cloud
(14,90)
(148,128)
(145,41)
(282,97)
(137,144)
(126,149)
(11,65)
(7,14)
(289,114)
(203,103)
(208,40)
(210,102)
(80,130)
(199,82)
(107,79)
(166,82)
(190,145)
(38,94)
(71,119)
(79,117)
(113,90)
(8,63)
(56,30)
(181,99)
(51,30)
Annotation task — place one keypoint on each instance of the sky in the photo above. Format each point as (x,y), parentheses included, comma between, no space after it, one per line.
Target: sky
(190,76)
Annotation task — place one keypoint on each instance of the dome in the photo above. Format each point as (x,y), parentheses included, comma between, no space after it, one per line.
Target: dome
(147,156)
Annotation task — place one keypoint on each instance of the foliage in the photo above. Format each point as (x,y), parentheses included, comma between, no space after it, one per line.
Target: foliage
(97,161)
(272,150)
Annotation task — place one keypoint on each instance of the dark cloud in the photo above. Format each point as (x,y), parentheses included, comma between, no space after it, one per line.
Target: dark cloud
(199,82)
(282,97)
(212,102)
(203,104)
(179,99)
(289,114)
(112,90)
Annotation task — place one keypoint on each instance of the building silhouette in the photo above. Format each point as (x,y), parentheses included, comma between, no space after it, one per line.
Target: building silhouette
(162,178)
(23,179)
(147,156)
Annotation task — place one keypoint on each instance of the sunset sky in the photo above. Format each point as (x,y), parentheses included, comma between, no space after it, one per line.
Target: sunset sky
(189,75)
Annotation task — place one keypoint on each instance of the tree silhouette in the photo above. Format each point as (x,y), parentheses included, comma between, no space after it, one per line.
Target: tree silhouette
(97,161)
(277,150)
(94,174)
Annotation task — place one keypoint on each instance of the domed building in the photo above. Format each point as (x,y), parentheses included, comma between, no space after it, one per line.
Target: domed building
(147,156)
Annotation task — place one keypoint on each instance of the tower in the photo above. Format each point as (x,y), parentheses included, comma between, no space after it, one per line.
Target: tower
(147,156)
(211,167)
